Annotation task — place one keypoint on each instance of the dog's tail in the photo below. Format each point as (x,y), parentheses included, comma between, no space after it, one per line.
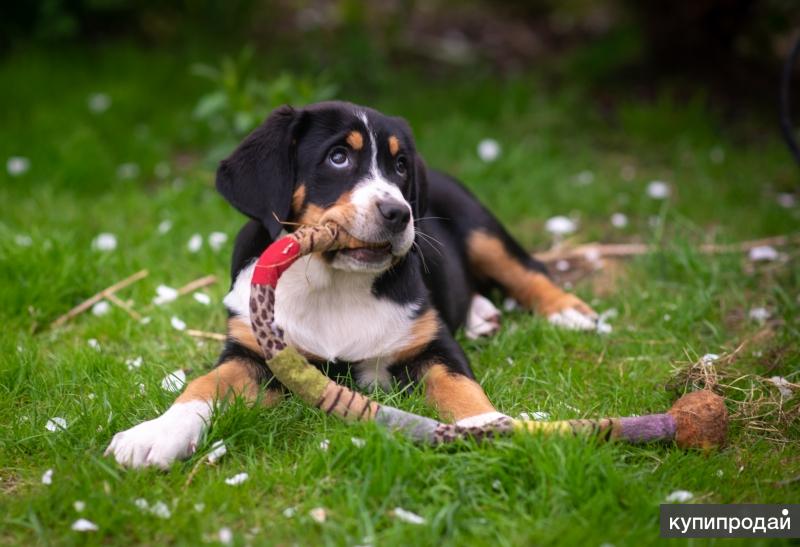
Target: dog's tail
(786,121)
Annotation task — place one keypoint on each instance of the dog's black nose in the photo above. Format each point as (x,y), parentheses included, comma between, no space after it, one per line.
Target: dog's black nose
(395,214)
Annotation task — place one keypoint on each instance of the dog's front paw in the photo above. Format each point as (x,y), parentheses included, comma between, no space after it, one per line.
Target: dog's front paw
(483,318)
(173,435)
(570,312)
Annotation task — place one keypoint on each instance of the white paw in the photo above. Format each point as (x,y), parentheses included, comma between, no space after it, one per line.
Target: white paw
(483,318)
(572,319)
(159,442)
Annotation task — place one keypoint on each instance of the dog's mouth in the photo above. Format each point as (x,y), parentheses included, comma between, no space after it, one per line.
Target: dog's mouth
(371,253)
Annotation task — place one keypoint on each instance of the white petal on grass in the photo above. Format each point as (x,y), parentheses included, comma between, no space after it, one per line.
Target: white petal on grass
(218,449)
(23,240)
(709,358)
(93,343)
(783,386)
(134,363)
(324,444)
(199,507)
(509,304)
(358,443)
(161,510)
(237,479)
(225,536)
(763,253)
(679,496)
(47,477)
(584,178)
(83,525)
(759,315)
(105,241)
(289,512)
(319,514)
(407,516)
(497,485)
(658,189)
(488,150)
(177,323)
(619,220)
(128,171)
(101,308)
(57,423)
(17,165)
(98,102)
(786,200)
(165,294)
(562,265)
(79,506)
(195,243)
(164,226)
(216,240)
(537,415)
(560,225)
(174,381)
(202,297)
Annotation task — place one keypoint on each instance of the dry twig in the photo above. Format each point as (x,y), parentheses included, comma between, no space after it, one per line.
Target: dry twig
(86,304)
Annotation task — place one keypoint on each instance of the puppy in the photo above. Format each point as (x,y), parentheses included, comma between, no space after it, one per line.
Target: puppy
(384,315)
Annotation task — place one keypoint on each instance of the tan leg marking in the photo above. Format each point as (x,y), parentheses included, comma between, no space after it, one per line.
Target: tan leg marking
(454,396)
(356,140)
(531,289)
(231,378)
(424,330)
(394,145)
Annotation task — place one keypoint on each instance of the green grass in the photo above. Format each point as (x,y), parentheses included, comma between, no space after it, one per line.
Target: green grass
(674,306)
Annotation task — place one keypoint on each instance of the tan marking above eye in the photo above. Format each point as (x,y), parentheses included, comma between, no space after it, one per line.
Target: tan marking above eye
(394,145)
(356,140)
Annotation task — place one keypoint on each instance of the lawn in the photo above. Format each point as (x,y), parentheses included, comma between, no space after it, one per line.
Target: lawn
(146,159)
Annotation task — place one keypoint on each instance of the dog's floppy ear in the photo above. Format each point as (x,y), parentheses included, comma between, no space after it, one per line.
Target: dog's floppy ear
(258,178)
(418,192)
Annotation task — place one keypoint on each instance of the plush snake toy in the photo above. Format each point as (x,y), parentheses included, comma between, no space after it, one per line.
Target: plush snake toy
(696,420)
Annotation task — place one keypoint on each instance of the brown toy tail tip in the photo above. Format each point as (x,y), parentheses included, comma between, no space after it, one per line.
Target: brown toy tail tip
(701,420)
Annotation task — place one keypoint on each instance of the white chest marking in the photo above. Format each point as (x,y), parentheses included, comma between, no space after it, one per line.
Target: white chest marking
(334,315)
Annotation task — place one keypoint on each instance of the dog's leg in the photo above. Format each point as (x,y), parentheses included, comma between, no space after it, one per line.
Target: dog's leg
(176,433)
(457,397)
(498,258)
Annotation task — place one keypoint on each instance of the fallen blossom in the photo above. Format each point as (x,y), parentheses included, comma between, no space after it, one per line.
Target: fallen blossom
(218,449)
(538,415)
(592,255)
(145,320)
(17,165)
(161,510)
(763,253)
(759,314)
(407,516)
(56,423)
(509,304)
(23,240)
(216,240)
(358,443)
(101,308)
(679,496)
(560,225)
(98,102)
(47,477)
(93,343)
(199,507)
(562,265)
(584,178)
(783,386)
(164,226)
(237,479)
(289,512)
(141,387)
(488,150)
(79,506)
(105,241)
(225,536)
(174,381)
(128,171)
(510,361)
(497,485)
(83,525)
(133,363)
(720,473)
(319,514)
(177,323)
(786,200)
(324,444)
(658,190)
(195,243)
(709,358)
(202,297)
(619,220)
(165,294)
(142,504)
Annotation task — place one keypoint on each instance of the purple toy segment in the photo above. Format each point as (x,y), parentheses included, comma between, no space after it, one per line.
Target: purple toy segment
(642,429)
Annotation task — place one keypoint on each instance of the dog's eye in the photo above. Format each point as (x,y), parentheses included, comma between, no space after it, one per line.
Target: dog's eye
(339,157)
(401,165)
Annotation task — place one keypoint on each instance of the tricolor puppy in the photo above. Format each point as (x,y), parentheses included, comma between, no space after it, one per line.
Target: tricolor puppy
(385,314)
